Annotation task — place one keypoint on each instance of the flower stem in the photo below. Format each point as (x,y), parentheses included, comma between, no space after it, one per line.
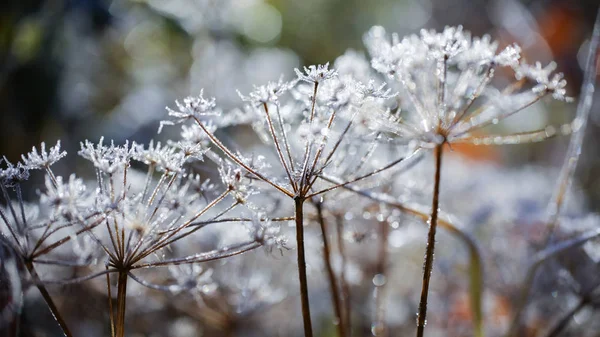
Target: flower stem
(51,305)
(428,264)
(379,327)
(121,300)
(299,202)
(335,292)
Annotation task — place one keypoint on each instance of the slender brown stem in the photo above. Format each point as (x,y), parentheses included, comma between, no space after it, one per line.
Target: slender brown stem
(299,202)
(344,285)
(110,305)
(335,292)
(121,301)
(51,305)
(428,264)
(380,281)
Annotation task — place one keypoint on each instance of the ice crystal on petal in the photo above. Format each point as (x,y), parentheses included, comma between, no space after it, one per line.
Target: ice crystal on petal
(509,57)
(164,158)
(371,90)
(448,43)
(545,78)
(64,198)
(192,277)
(192,107)
(265,232)
(316,74)
(108,159)
(42,159)
(266,94)
(13,174)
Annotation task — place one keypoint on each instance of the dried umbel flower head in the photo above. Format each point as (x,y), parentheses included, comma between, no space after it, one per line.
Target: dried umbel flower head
(445,86)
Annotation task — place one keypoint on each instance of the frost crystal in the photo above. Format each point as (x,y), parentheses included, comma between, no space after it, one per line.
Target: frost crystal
(108,159)
(266,94)
(42,160)
(316,74)
(191,108)
(13,174)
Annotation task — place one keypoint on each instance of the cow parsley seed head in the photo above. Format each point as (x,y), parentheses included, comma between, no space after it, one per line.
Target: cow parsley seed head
(445,90)
(265,232)
(193,134)
(266,94)
(373,91)
(164,158)
(42,160)
(546,79)
(108,159)
(191,107)
(13,174)
(64,199)
(316,74)
(192,277)
(448,43)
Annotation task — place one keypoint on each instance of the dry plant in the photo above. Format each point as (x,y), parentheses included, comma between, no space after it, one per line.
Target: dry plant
(340,152)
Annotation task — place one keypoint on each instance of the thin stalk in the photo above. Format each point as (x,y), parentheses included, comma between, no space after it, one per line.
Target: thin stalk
(121,301)
(566,319)
(345,288)
(335,292)
(381,268)
(428,264)
(444,221)
(51,305)
(584,107)
(298,203)
(110,305)
(278,148)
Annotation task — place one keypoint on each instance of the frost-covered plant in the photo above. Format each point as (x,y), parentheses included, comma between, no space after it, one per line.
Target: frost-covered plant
(351,141)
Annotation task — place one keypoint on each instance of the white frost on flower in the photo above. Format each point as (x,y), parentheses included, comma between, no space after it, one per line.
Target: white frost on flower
(164,158)
(316,74)
(266,94)
(265,232)
(42,160)
(192,277)
(64,199)
(108,159)
(191,108)
(546,79)
(13,174)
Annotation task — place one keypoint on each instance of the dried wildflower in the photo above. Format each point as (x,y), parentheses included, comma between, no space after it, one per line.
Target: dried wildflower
(192,107)
(266,232)
(441,75)
(13,174)
(65,199)
(192,277)
(267,94)
(316,74)
(108,159)
(42,160)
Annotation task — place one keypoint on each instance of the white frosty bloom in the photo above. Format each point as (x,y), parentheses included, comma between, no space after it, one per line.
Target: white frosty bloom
(265,232)
(190,108)
(13,174)
(547,80)
(192,277)
(64,198)
(316,74)
(165,158)
(108,159)
(42,159)
(269,93)
(445,85)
